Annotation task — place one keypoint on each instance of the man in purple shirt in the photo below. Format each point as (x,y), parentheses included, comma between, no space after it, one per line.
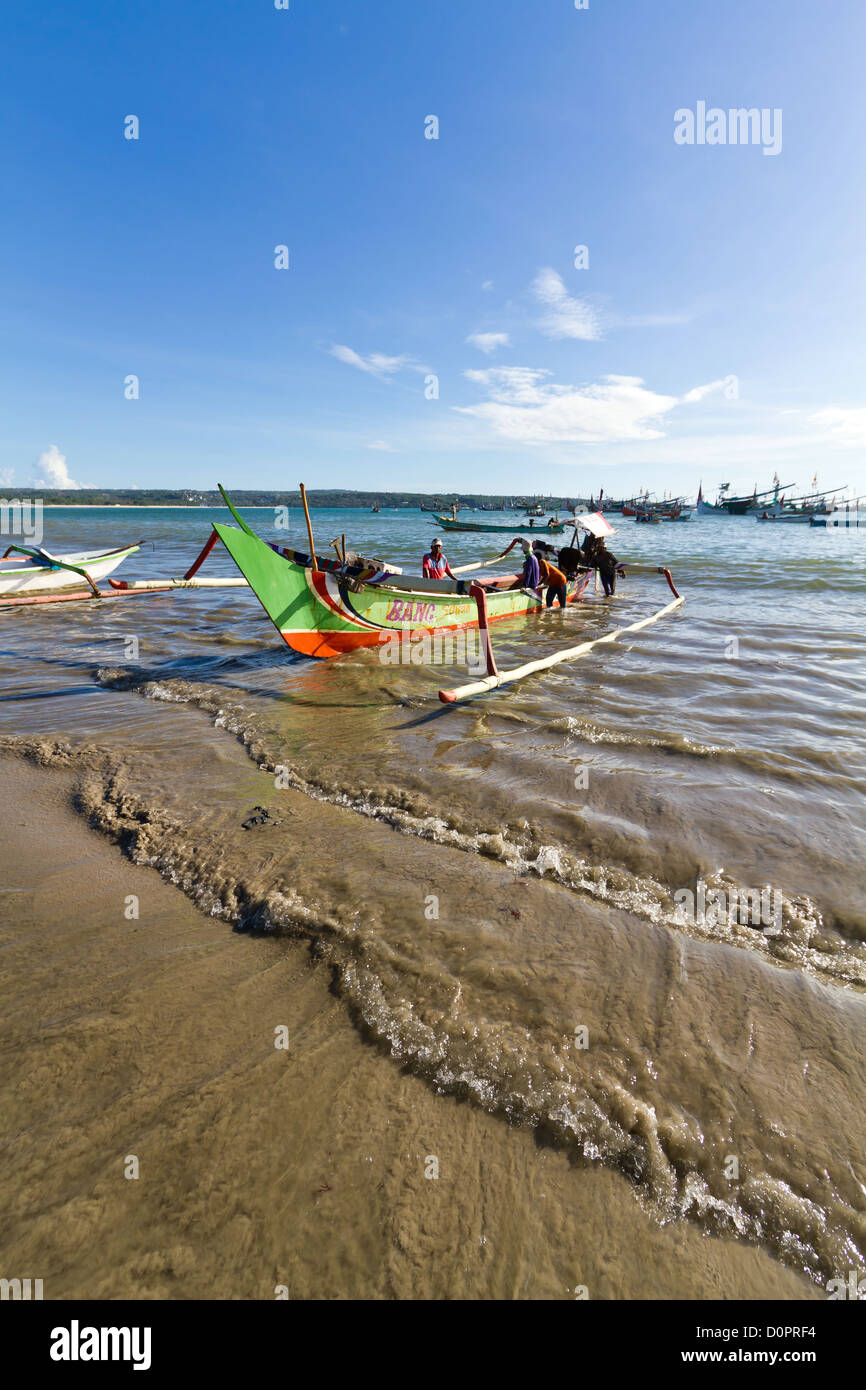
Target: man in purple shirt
(531,577)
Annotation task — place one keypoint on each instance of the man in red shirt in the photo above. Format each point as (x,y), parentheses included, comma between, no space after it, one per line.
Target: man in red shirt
(435,564)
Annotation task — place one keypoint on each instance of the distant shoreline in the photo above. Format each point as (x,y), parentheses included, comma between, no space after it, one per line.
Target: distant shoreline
(158,506)
(319,498)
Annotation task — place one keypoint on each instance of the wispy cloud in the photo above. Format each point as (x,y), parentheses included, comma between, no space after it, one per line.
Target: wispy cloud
(488,342)
(376,363)
(699,393)
(51,470)
(845,425)
(564,317)
(526,407)
(382,445)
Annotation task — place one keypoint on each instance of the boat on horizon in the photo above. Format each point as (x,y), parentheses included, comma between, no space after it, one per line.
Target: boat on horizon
(448,523)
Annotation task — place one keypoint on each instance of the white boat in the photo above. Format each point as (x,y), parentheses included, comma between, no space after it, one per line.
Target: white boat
(804,517)
(36,571)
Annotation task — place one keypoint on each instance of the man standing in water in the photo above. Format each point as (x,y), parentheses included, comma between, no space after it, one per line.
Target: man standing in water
(435,565)
(599,557)
(531,576)
(550,575)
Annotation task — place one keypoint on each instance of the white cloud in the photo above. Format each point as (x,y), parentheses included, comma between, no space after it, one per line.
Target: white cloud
(488,285)
(698,393)
(376,363)
(565,317)
(526,407)
(514,385)
(6,475)
(382,445)
(845,425)
(51,470)
(489,342)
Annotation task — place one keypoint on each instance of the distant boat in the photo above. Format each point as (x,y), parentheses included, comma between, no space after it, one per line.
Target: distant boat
(795,516)
(703,507)
(449,524)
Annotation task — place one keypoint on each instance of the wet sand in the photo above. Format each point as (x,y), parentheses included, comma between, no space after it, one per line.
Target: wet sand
(260,1167)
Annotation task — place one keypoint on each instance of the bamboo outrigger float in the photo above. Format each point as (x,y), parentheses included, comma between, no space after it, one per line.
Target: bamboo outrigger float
(495,678)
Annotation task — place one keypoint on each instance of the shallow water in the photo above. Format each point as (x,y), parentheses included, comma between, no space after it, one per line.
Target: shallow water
(495,882)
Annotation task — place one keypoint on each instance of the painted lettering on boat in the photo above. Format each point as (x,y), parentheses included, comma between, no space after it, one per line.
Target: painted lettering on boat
(405,611)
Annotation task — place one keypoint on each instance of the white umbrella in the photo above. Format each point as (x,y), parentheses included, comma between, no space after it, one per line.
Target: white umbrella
(595,523)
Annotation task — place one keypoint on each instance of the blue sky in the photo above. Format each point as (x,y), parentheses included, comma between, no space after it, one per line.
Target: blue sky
(716,334)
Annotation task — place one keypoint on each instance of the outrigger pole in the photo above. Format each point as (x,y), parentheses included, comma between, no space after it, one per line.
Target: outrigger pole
(309,526)
(496,678)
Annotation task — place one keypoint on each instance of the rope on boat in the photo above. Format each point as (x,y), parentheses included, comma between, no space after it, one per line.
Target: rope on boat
(497,678)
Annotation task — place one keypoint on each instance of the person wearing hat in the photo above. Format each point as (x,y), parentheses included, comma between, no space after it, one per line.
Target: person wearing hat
(597,556)
(531,576)
(550,575)
(435,565)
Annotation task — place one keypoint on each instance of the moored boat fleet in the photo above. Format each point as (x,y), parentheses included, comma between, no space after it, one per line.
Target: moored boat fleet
(780,503)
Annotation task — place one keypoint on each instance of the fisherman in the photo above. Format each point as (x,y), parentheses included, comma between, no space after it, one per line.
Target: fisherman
(570,559)
(531,576)
(587,549)
(435,565)
(550,574)
(606,564)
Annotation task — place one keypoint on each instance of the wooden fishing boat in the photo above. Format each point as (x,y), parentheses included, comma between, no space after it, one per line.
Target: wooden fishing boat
(25,570)
(324,612)
(447,523)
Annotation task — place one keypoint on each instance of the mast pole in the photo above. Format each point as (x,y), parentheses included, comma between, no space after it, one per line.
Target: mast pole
(309,525)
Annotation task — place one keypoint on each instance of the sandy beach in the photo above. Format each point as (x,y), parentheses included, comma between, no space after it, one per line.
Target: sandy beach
(258,1167)
(477,955)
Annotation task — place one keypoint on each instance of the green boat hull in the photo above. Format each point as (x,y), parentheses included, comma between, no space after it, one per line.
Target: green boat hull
(324,613)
